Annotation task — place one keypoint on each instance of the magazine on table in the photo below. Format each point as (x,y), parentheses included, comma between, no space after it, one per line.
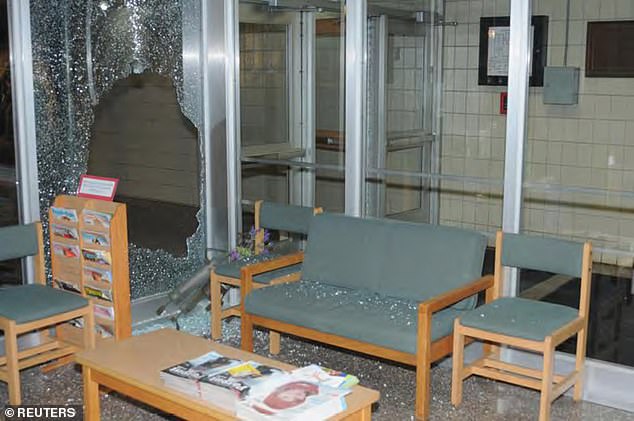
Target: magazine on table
(242,378)
(199,367)
(287,397)
(326,376)
(255,391)
(186,378)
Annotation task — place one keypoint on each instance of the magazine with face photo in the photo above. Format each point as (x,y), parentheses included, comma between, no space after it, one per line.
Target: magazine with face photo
(289,398)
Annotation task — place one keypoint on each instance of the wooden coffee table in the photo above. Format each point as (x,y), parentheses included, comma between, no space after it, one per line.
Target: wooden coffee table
(132,366)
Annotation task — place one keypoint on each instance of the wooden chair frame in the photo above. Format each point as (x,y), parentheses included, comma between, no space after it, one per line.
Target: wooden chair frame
(427,351)
(50,348)
(550,385)
(216,281)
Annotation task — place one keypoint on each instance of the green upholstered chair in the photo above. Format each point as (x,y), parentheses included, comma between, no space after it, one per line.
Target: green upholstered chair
(528,324)
(272,216)
(35,308)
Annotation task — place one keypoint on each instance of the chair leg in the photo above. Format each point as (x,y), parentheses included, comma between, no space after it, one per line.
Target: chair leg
(216,307)
(457,365)
(13,370)
(580,364)
(246,333)
(274,342)
(547,380)
(89,327)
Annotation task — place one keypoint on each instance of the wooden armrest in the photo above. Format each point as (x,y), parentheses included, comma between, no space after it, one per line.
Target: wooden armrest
(451,297)
(247,272)
(272,264)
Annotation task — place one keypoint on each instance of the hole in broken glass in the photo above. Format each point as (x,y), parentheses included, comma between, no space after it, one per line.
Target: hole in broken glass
(141,137)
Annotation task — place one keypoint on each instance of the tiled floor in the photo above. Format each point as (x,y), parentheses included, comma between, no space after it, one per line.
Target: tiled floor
(483,399)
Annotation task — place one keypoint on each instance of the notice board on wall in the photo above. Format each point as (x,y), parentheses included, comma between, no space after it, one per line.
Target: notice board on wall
(495,35)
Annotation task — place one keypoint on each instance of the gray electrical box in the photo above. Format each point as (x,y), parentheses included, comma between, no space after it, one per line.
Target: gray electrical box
(561,85)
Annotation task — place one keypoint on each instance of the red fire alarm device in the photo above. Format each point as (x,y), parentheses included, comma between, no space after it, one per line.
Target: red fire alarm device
(503,102)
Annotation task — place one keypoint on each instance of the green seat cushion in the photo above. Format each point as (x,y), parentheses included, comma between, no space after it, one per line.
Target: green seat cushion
(27,303)
(520,317)
(232,270)
(356,314)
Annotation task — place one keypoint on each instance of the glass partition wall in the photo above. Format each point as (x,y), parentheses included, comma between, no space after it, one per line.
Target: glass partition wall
(291,105)
(579,170)
(436,137)
(435,143)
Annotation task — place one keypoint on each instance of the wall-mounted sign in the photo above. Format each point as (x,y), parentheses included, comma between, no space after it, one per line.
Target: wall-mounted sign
(95,187)
(495,34)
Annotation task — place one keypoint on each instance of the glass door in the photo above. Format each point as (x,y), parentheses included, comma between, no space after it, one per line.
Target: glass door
(400,112)
(266,117)
(291,105)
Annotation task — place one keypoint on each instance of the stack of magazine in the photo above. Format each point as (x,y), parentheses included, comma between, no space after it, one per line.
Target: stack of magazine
(254,391)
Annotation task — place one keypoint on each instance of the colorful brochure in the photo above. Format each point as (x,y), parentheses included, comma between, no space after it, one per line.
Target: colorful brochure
(96,238)
(103,294)
(96,219)
(64,214)
(104,312)
(66,286)
(96,256)
(97,275)
(61,231)
(66,250)
(104,330)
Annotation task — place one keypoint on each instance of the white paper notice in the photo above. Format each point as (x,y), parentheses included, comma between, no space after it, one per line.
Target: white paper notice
(97,187)
(498,59)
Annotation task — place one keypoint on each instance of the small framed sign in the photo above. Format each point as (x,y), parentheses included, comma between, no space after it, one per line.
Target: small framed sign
(495,34)
(95,187)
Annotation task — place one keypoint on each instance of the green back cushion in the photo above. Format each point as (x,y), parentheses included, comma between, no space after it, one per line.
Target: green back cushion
(403,260)
(283,217)
(547,254)
(18,241)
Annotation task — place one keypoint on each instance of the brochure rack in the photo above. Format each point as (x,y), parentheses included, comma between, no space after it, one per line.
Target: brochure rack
(89,256)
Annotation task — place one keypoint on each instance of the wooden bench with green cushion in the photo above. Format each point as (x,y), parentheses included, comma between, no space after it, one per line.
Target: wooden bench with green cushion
(381,287)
